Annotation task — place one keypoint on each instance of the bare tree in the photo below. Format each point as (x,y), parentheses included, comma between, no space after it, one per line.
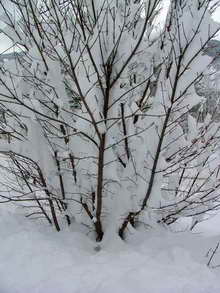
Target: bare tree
(94,109)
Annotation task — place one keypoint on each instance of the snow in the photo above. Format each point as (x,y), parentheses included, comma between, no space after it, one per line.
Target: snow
(36,259)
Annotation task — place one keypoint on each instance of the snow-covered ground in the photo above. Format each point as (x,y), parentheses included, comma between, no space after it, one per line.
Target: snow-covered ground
(36,259)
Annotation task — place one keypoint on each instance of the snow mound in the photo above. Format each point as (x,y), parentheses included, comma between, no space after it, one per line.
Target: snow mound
(38,260)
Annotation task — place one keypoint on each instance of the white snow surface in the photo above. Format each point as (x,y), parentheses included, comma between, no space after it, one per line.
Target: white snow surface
(36,259)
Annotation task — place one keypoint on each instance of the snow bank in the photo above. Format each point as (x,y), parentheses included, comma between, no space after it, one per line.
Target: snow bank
(38,260)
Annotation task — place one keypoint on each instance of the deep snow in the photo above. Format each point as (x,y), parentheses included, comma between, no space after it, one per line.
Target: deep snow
(36,259)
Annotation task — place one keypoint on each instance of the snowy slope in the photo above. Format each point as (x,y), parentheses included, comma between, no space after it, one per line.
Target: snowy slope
(38,260)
